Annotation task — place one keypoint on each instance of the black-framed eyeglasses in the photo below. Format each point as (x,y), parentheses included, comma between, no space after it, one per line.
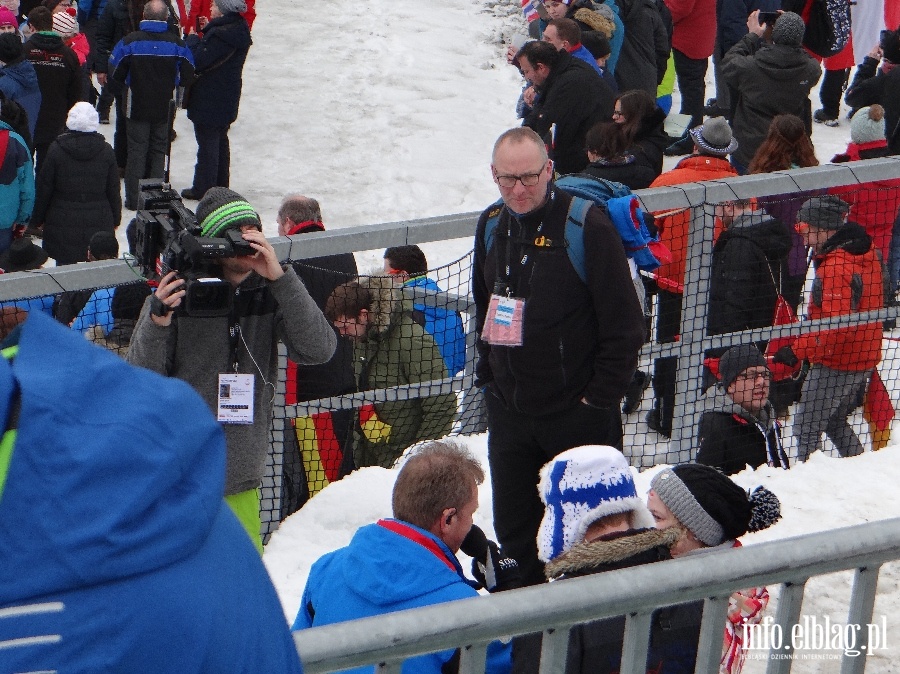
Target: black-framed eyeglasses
(753,376)
(527,179)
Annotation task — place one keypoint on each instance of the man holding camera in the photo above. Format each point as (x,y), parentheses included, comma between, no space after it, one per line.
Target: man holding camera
(231,359)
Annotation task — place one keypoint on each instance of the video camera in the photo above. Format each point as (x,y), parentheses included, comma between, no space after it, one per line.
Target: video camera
(168,238)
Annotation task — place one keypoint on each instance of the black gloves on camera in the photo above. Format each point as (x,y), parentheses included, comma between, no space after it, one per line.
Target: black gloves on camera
(495,572)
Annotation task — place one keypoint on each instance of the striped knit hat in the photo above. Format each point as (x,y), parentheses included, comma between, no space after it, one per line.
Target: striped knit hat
(220,209)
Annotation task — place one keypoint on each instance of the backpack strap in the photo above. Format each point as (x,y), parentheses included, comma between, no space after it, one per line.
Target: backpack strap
(578,210)
(490,226)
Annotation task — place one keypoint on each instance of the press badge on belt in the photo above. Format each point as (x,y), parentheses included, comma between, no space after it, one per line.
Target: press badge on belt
(235,399)
(503,325)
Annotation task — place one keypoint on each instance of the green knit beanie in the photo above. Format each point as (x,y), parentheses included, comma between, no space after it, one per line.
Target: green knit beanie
(220,209)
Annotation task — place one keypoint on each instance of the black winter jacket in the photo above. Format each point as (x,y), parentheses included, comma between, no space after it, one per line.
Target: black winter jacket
(119,18)
(730,438)
(151,62)
(634,170)
(596,647)
(746,265)
(580,340)
(770,80)
(645,52)
(60,79)
(574,97)
(868,88)
(77,195)
(219,61)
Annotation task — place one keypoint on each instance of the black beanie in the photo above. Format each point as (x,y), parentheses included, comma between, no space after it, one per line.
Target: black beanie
(891,47)
(11,48)
(736,360)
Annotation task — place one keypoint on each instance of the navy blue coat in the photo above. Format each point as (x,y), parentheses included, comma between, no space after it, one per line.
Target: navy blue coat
(218,60)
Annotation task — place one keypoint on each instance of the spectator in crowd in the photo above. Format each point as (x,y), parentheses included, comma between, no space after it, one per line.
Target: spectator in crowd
(645,49)
(18,80)
(8,23)
(150,63)
(555,378)
(834,83)
(642,120)
(59,77)
(88,16)
(66,26)
(787,145)
(738,427)
(118,19)
(873,205)
(23,255)
(770,79)
(219,57)
(693,39)
(78,190)
(571,95)
(269,304)
(410,560)
(408,265)
(392,348)
(593,522)
(565,35)
(711,512)
(145,570)
(746,268)
(109,315)
(612,158)
(16,182)
(874,84)
(597,45)
(713,142)
(320,448)
(731,26)
(200,15)
(848,280)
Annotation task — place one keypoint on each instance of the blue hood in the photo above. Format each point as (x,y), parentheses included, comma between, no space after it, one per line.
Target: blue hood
(115,471)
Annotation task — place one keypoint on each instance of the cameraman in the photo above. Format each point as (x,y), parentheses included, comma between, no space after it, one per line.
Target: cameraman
(231,360)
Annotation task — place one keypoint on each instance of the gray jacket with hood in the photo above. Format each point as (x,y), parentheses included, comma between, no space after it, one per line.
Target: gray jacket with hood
(198,350)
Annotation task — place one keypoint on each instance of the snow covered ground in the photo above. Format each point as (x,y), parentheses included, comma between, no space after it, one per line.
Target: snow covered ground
(386,110)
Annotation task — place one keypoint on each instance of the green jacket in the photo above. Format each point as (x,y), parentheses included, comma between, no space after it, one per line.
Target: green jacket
(397,351)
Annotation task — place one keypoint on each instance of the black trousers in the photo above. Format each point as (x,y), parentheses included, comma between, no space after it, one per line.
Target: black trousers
(518,447)
(832,89)
(668,325)
(691,75)
(213,166)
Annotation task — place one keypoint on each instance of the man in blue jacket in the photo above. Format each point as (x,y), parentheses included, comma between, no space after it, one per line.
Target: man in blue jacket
(408,561)
(119,553)
(150,63)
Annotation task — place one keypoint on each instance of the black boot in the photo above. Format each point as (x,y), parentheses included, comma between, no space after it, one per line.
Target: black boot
(640,382)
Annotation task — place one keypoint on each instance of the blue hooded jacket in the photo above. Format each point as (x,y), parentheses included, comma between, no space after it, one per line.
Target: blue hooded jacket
(19,82)
(118,551)
(16,180)
(382,571)
(444,326)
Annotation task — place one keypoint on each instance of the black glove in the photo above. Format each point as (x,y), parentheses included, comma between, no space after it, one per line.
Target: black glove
(490,568)
(786,356)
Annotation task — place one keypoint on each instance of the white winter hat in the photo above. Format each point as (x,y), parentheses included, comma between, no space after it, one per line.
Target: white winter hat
(83,117)
(580,486)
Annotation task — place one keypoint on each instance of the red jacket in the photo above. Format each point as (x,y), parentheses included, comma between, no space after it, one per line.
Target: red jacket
(694,27)
(848,280)
(674,226)
(201,8)
(873,205)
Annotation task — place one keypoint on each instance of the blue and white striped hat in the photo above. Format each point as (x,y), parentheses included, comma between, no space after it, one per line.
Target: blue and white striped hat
(580,486)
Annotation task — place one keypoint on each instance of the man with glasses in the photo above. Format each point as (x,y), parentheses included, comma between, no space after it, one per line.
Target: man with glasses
(555,353)
(738,427)
(571,98)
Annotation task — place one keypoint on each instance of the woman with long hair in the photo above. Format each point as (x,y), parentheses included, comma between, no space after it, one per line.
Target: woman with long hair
(787,146)
(641,121)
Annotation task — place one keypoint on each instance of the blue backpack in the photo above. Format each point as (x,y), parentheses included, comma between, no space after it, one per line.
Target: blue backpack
(618,202)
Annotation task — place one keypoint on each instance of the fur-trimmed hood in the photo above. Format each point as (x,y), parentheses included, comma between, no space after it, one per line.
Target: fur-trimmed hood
(595,20)
(387,304)
(611,550)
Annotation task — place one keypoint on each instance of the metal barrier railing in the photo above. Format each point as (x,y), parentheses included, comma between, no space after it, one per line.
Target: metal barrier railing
(470,624)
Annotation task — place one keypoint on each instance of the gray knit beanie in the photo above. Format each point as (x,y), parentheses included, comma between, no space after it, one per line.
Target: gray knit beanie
(828,212)
(226,6)
(789,30)
(220,209)
(867,125)
(736,360)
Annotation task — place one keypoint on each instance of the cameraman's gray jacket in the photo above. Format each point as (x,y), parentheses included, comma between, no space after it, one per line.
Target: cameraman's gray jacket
(198,350)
